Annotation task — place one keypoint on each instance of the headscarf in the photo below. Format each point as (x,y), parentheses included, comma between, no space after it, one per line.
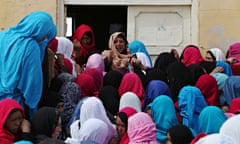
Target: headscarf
(6,107)
(211,119)
(96,61)
(21,58)
(231,88)
(234,51)
(44,121)
(225,66)
(132,83)
(65,77)
(124,114)
(163,60)
(71,94)
(155,88)
(97,76)
(92,107)
(130,99)
(180,134)
(141,129)
(235,105)
(196,71)
(164,116)
(114,36)
(112,78)
(78,35)
(52,99)
(220,78)
(209,88)
(144,59)
(93,129)
(218,54)
(138,46)
(191,55)
(179,76)
(110,99)
(216,138)
(87,85)
(231,128)
(155,74)
(191,102)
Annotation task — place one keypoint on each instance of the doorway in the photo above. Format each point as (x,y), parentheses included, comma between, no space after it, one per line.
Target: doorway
(104,20)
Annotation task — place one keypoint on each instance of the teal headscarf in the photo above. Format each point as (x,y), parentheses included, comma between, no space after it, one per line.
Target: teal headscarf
(22,51)
(164,116)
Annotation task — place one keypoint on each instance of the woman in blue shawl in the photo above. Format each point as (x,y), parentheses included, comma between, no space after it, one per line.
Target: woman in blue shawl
(22,52)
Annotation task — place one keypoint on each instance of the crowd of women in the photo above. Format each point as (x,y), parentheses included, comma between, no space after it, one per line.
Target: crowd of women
(60,90)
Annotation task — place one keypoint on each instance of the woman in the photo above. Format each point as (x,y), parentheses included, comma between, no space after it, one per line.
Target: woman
(84,43)
(179,134)
(122,123)
(141,129)
(130,99)
(23,49)
(46,123)
(12,116)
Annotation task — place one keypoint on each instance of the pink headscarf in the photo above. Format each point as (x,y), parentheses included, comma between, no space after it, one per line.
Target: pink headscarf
(191,55)
(96,61)
(141,129)
(234,51)
(132,83)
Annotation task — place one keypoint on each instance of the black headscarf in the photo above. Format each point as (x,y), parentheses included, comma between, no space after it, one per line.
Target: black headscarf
(112,78)
(196,71)
(180,134)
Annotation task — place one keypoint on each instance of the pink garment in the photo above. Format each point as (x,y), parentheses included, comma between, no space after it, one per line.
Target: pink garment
(132,83)
(141,129)
(191,55)
(234,51)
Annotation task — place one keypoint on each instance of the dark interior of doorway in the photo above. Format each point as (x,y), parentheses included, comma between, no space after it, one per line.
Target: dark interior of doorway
(103,19)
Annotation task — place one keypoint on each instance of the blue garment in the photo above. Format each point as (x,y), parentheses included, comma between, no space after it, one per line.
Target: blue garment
(154,89)
(22,51)
(191,102)
(138,46)
(225,66)
(231,88)
(164,116)
(23,142)
(211,119)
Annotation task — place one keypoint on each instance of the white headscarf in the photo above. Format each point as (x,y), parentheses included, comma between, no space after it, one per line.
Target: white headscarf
(144,59)
(231,128)
(92,107)
(130,99)
(218,53)
(216,139)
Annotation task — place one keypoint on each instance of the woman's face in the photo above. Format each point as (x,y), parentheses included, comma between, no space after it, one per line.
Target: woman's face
(208,57)
(168,139)
(86,40)
(14,122)
(120,126)
(58,129)
(120,44)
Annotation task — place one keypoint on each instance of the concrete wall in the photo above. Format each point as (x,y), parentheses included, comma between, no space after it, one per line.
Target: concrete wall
(219,23)
(12,11)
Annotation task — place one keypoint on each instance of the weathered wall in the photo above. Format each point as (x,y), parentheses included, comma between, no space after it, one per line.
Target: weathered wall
(218,23)
(12,11)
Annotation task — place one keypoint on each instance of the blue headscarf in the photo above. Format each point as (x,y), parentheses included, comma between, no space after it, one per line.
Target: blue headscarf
(232,88)
(211,119)
(138,46)
(225,66)
(164,116)
(191,102)
(22,51)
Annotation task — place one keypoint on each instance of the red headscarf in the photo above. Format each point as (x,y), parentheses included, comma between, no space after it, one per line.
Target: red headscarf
(97,76)
(79,33)
(209,88)
(69,65)
(235,105)
(87,85)
(53,45)
(129,111)
(6,107)
(234,51)
(132,83)
(191,55)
